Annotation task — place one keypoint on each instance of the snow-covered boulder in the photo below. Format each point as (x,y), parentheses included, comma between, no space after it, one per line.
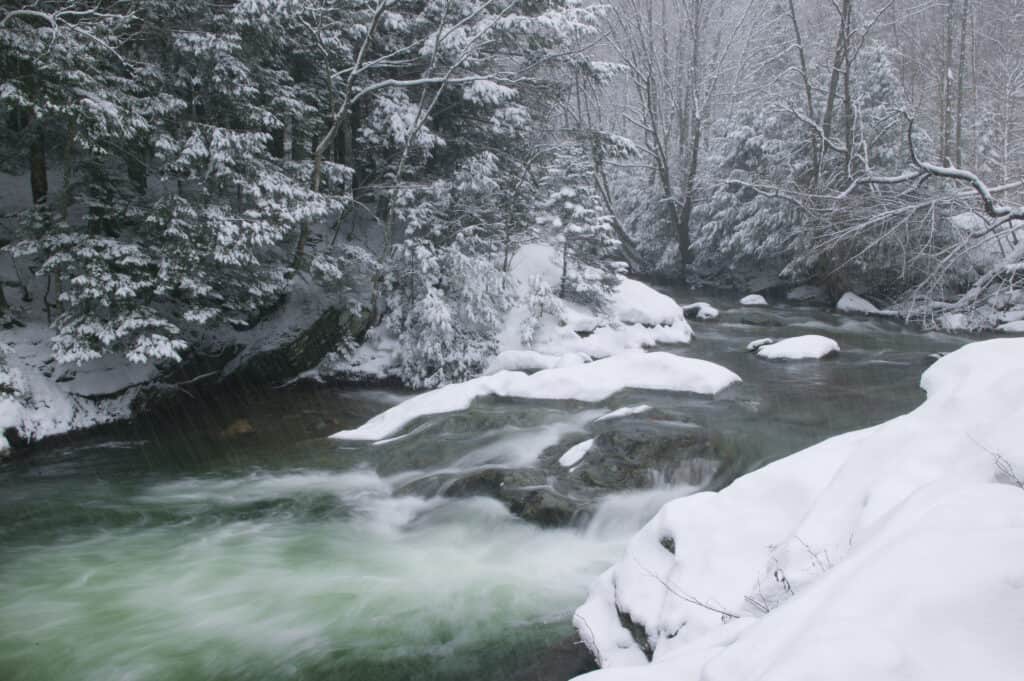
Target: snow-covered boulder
(891,553)
(637,303)
(851,303)
(799,347)
(759,343)
(1012,327)
(700,310)
(592,382)
(753,299)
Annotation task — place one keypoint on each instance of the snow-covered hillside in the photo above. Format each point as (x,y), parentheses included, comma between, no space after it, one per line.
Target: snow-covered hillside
(890,553)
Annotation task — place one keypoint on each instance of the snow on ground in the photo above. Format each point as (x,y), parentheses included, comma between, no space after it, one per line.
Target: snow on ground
(851,303)
(637,316)
(700,310)
(39,398)
(531,360)
(798,347)
(891,553)
(575,453)
(753,299)
(1012,327)
(592,382)
(625,411)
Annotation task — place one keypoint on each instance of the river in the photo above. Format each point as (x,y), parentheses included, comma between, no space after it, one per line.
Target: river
(168,551)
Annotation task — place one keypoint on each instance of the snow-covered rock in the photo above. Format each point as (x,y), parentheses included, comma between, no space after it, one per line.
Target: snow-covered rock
(759,343)
(1012,327)
(799,347)
(753,299)
(700,310)
(575,454)
(891,553)
(851,303)
(637,303)
(586,383)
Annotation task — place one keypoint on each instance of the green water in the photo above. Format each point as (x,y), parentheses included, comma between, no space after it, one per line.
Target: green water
(166,552)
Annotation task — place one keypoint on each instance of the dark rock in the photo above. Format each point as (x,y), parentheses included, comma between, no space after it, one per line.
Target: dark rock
(238,428)
(752,317)
(304,349)
(566,659)
(637,455)
(526,492)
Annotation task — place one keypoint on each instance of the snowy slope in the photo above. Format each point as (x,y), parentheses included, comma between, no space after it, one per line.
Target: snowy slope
(890,553)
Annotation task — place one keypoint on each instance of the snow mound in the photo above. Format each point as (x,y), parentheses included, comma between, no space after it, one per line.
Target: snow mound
(753,299)
(1012,327)
(586,383)
(531,360)
(575,454)
(700,310)
(798,347)
(890,553)
(637,303)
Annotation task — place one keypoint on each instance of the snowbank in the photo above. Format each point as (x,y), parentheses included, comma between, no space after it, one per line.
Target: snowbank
(798,347)
(636,317)
(587,383)
(700,310)
(531,360)
(890,553)
(1012,327)
(39,398)
(753,299)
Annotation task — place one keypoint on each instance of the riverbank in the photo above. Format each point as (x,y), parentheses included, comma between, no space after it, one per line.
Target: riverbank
(170,549)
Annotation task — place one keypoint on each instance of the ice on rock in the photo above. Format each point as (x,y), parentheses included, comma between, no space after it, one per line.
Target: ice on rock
(753,299)
(575,454)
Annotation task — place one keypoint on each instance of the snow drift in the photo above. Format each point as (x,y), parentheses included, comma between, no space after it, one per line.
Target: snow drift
(586,383)
(891,553)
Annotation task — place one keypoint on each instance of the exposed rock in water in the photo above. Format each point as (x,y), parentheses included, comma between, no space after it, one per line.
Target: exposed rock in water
(638,454)
(752,317)
(526,492)
(564,660)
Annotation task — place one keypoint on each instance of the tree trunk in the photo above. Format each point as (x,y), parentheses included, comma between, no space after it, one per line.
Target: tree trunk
(960,75)
(37,173)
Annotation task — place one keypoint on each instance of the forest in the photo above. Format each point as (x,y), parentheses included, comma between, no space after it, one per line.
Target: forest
(511,340)
(181,165)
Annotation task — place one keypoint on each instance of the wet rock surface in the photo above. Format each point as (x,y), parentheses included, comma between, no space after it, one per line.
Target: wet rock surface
(632,453)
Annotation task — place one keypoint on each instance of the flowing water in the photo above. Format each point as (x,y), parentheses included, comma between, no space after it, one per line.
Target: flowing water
(152,552)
